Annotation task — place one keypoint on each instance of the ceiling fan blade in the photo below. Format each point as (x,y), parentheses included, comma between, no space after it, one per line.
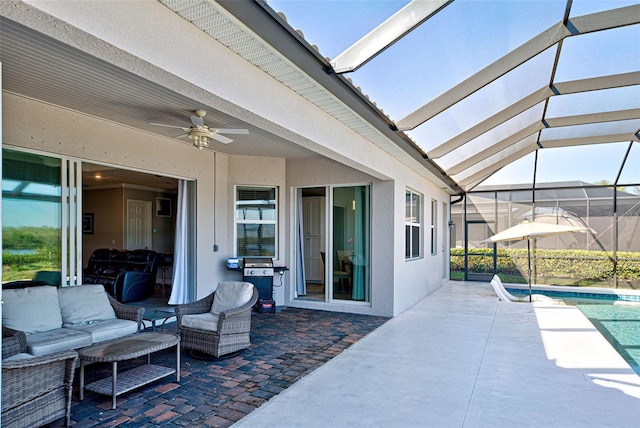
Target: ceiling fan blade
(232,131)
(197,120)
(222,138)
(169,126)
(182,135)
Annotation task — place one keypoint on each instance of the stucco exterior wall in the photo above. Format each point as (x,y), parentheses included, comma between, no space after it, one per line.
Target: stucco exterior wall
(397,284)
(52,130)
(415,279)
(258,171)
(157,52)
(313,172)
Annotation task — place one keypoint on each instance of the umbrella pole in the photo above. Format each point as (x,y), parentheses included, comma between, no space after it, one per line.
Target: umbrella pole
(529,259)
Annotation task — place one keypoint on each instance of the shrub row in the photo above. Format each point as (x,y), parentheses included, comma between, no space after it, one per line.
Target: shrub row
(582,264)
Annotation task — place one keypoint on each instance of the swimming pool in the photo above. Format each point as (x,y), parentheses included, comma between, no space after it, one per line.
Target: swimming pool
(617,318)
(619,323)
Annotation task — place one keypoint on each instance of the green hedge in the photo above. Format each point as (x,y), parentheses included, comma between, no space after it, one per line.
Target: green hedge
(566,267)
(44,241)
(25,266)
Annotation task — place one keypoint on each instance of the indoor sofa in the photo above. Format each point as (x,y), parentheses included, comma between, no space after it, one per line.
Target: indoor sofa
(126,275)
(58,319)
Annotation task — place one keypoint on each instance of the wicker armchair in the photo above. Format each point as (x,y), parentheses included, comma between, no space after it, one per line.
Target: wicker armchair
(35,391)
(214,333)
(127,312)
(13,342)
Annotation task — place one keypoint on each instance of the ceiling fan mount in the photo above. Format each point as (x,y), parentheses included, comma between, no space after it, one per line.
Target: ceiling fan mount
(200,134)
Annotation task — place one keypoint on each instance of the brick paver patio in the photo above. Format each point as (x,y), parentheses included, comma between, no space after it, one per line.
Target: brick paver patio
(285,347)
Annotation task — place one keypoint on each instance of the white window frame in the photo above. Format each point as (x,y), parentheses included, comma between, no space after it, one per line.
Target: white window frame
(237,221)
(414,220)
(434,227)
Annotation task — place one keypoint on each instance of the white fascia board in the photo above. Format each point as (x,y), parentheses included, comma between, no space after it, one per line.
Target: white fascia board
(386,34)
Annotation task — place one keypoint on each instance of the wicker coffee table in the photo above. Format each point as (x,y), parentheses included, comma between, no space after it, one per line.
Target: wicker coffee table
(127,348)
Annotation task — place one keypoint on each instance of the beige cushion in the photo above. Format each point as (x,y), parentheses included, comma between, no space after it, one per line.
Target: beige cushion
(107,329)
(230,295)
(57,340)
(16,357)
(31,309)
(84,304)
(206,321)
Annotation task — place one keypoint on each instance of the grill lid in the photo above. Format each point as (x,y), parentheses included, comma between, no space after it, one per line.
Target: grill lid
(258,263)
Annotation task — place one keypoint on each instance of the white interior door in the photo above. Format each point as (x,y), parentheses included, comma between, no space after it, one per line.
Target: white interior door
(138,225)
(313,217)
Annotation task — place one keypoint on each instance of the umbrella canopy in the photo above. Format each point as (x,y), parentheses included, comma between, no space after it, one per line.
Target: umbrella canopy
(531,229)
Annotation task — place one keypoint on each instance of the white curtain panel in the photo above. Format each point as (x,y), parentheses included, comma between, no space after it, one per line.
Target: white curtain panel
(180,279)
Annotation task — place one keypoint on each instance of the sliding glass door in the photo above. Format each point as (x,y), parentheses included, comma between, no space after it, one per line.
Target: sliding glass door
(350,242)
(333,265)
(41,211)
(31,215)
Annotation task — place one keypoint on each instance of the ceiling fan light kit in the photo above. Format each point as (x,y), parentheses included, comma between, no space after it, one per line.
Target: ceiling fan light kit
(200,137)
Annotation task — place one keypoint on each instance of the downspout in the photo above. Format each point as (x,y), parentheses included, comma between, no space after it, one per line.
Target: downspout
(451,225)
(462,195)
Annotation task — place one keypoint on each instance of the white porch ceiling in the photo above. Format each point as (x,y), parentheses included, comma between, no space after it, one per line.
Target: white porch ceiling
(41,68)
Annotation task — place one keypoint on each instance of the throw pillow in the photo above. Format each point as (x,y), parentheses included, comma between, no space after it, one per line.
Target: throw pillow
(230,295)
(31,309)
(85,303)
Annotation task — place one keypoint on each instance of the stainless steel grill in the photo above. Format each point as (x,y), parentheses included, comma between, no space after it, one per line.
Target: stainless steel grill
(258,267)
(259,272)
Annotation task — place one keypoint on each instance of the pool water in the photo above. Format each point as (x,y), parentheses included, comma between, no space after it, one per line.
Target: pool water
(620,324)
(617,318)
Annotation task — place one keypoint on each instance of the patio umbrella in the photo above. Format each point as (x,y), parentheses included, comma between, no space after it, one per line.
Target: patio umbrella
(530,230)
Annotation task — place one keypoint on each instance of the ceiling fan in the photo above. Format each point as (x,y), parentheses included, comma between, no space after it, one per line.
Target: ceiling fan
(199,134)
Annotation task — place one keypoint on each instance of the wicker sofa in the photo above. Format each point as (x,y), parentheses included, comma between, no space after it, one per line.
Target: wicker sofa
(35,390)
(220,323)
(58,319)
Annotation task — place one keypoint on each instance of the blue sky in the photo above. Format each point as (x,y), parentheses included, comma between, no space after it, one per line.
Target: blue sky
(462,39)
(22,213)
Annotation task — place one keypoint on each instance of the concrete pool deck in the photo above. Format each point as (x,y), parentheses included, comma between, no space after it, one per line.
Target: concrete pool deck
(462,358)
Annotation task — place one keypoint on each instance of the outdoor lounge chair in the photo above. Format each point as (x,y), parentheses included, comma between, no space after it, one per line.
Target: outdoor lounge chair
(35,390)
(220,323)
(505,296)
